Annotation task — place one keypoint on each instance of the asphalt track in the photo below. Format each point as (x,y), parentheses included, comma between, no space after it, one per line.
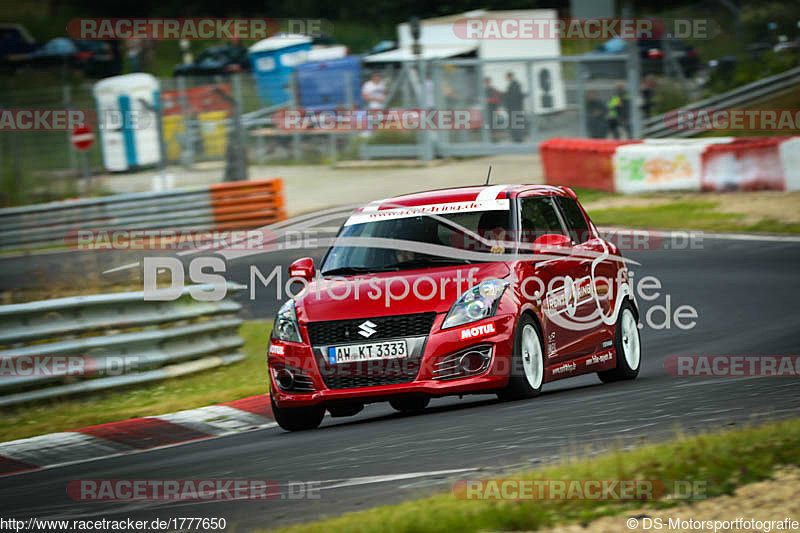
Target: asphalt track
(745,293)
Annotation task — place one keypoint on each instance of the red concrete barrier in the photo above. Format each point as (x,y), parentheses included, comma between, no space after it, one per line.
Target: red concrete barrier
(582,163)
(747,163)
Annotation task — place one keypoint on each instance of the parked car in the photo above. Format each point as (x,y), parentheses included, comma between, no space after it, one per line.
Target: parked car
(93,58)
(16,44)
(513,288)
(652,54)
(216,60)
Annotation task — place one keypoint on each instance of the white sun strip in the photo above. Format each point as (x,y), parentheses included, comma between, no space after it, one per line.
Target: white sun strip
(490,193)
(436,209)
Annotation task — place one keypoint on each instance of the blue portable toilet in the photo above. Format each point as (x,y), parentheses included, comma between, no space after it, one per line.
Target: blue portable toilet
(273,61)
(325,84)
(127,114)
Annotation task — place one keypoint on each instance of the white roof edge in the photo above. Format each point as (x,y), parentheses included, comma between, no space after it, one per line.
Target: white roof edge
(281,40)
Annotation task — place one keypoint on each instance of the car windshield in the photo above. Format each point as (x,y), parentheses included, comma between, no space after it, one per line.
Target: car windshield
(456,231)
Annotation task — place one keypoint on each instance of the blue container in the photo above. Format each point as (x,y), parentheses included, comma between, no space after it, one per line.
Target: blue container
(323,85)
(273,60)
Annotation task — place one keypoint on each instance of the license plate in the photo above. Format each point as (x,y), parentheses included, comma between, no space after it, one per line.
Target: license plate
(367,352)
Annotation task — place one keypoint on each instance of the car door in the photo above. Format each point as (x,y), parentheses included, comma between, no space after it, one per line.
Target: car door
(554,272)
(588,251)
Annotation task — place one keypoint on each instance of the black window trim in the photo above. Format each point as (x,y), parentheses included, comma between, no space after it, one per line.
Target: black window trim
(522,196)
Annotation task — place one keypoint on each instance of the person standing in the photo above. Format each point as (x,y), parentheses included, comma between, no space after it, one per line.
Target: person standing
(595,116)
(373,92)
(513,102)
(619,112)
(493,98)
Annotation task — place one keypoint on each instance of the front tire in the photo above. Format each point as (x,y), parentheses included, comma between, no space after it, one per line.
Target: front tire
(297,418)
(527,362)
(627,346)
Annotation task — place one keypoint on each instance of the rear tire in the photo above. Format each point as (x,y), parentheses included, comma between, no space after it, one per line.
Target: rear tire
(410,405)
(627,347)
(527,362)
(297,418)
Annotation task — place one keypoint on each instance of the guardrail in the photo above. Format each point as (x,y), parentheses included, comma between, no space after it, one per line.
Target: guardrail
(222,206)
(66,346)
(663,126)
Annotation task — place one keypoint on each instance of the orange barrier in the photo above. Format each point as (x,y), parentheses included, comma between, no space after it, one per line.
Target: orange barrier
(580,163)
(247,204)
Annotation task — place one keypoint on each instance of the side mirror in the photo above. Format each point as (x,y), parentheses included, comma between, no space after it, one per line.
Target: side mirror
(550,241)
(302,268)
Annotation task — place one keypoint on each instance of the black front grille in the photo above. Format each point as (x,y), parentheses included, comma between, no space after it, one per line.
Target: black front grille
(386,327)
(369,373)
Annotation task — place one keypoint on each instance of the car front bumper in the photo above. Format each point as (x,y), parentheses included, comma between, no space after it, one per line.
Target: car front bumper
(441,348)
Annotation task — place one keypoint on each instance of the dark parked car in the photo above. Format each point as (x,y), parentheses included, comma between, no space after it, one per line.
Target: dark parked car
(16,44)
(93,58)
(652,54)
(216,60)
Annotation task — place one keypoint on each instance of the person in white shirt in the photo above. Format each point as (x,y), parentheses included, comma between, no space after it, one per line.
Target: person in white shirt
(373,92)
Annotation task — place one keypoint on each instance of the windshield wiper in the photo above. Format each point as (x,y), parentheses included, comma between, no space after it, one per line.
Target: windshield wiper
(349,270)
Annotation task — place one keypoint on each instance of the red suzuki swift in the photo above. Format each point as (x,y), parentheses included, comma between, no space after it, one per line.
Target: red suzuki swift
(497,288)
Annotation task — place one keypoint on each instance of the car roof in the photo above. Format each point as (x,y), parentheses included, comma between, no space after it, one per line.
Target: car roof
(468,194)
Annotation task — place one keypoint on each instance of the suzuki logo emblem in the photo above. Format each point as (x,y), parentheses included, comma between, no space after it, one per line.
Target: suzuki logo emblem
(367,329)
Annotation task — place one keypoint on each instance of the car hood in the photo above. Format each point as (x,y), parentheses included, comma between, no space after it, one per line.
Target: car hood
(327,299)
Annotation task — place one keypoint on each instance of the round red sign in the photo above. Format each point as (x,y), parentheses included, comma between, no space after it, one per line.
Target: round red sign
(82,137)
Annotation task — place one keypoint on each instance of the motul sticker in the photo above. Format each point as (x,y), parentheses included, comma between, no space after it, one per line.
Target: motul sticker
(477,331)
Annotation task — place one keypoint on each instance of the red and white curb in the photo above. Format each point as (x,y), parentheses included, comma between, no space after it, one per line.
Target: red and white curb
(135,435)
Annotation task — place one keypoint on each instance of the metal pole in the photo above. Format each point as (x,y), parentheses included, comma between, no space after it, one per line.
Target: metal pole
(534,130)
(241,138)
(350,103)
(633,90)
(293,105)
(187,147)
(582,113)
(487,124)
(66,92)
(427,145)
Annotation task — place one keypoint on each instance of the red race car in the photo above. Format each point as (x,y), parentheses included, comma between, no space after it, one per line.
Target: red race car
(498,288)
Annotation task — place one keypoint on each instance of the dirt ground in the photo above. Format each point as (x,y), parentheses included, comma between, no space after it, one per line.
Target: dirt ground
(774,500)
(313,187)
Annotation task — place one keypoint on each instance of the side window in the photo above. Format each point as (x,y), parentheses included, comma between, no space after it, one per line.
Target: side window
(538,217)
(573,217)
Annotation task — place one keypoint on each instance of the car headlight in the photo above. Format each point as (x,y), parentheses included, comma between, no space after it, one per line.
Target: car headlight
(285,327)
(477,303)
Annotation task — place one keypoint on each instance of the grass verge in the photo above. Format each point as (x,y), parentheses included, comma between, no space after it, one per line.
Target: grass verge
(223,384)
(723,461)
(688,214)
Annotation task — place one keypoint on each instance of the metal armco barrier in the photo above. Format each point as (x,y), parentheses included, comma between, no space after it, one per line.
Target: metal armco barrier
(113,339)
(222,206)
(664,126)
